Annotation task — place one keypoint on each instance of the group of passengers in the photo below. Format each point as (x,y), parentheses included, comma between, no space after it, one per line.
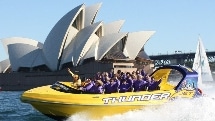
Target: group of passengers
(110,82)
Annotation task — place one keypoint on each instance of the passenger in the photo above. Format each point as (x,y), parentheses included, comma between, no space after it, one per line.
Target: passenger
(138,84)
(87,86)
(124,86)
(98,75)
(105,77)
(142,72)
(150,82)
(145,85)
(133,73)
(93,80)
(111,87)
(122,76)
(119,72)
(133,77)
(76,79)
(116,79)
(111,73)
(146,78)
(129,79)
(97,88)
(153,84)
(137,72)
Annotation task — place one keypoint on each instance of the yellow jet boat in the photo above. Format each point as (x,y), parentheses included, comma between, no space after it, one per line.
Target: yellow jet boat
(61,100)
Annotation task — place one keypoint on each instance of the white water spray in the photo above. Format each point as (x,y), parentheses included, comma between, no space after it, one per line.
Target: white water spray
(199,109)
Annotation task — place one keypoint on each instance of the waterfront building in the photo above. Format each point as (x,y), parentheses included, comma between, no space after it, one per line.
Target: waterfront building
(78,42)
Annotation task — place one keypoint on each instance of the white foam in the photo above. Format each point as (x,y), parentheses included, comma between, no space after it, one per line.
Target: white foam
(199,109)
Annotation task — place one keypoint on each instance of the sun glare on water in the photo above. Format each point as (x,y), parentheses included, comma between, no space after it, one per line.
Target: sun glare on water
(199,109)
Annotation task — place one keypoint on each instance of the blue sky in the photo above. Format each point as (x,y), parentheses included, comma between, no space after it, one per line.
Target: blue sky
(177,23)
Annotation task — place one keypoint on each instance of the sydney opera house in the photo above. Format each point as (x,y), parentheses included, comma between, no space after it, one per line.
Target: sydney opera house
(76,41)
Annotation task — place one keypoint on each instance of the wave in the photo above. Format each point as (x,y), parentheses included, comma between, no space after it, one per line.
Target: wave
(198,109)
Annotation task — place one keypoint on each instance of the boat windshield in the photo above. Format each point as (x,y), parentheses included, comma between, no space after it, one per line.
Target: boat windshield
(59,86)
(174,77)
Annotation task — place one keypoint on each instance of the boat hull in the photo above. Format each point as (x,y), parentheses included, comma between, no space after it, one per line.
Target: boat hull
(61,105)
(63,111)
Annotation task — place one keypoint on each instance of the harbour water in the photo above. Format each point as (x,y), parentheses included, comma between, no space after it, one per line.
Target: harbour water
(12,109)
(200,109)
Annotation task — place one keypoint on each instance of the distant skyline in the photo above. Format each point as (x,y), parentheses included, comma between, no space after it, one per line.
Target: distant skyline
(178,24)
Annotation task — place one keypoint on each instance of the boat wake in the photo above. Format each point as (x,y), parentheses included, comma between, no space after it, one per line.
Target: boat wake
(199,109)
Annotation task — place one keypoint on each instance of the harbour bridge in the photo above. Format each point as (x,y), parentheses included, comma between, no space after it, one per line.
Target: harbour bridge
(181,58)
